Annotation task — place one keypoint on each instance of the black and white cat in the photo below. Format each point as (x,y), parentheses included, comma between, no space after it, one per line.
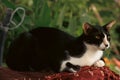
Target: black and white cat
(53,49)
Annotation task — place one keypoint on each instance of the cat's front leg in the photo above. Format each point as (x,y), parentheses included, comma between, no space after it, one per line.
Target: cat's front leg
(99,63)
(72,68)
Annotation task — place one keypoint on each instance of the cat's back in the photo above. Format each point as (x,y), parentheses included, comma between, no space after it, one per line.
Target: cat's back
(44,33)
(49,32)
(51,36)
(42,37)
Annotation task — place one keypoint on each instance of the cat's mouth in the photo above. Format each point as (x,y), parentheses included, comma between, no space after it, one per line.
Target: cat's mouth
(103,48)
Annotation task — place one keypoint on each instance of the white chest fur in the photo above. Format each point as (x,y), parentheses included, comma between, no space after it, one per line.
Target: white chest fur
(89,58)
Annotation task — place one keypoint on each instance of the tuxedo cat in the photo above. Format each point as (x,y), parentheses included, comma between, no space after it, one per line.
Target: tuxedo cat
(46,48)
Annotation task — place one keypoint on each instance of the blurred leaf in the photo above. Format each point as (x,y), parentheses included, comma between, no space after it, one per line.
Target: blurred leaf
(61,16)
(8,4)
(42,13)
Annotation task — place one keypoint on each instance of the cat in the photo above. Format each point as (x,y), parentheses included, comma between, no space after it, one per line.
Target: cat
(47,48)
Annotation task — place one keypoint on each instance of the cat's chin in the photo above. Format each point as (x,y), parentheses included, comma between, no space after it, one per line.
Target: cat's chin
(103,49)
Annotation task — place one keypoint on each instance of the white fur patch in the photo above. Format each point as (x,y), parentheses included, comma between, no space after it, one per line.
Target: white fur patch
(104,43)
(92,55)
(99,63)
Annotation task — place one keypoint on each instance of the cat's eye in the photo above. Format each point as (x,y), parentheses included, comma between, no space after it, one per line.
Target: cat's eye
(97,37)
(108,37)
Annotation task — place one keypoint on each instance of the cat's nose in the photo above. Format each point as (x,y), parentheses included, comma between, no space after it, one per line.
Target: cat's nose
(106,45)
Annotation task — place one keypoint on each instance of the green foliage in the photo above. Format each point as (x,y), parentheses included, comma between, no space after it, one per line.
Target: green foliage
(67,15)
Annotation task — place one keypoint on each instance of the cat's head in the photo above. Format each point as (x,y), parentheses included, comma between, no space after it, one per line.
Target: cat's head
(98,36)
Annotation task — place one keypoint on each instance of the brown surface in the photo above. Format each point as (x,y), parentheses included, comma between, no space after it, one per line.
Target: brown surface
(86,73)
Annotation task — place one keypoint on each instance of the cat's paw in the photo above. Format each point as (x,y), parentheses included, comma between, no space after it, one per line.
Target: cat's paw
(99,63)
(72,68)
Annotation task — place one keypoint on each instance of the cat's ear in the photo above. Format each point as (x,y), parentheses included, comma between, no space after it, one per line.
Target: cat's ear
(109,25)
(86,27)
